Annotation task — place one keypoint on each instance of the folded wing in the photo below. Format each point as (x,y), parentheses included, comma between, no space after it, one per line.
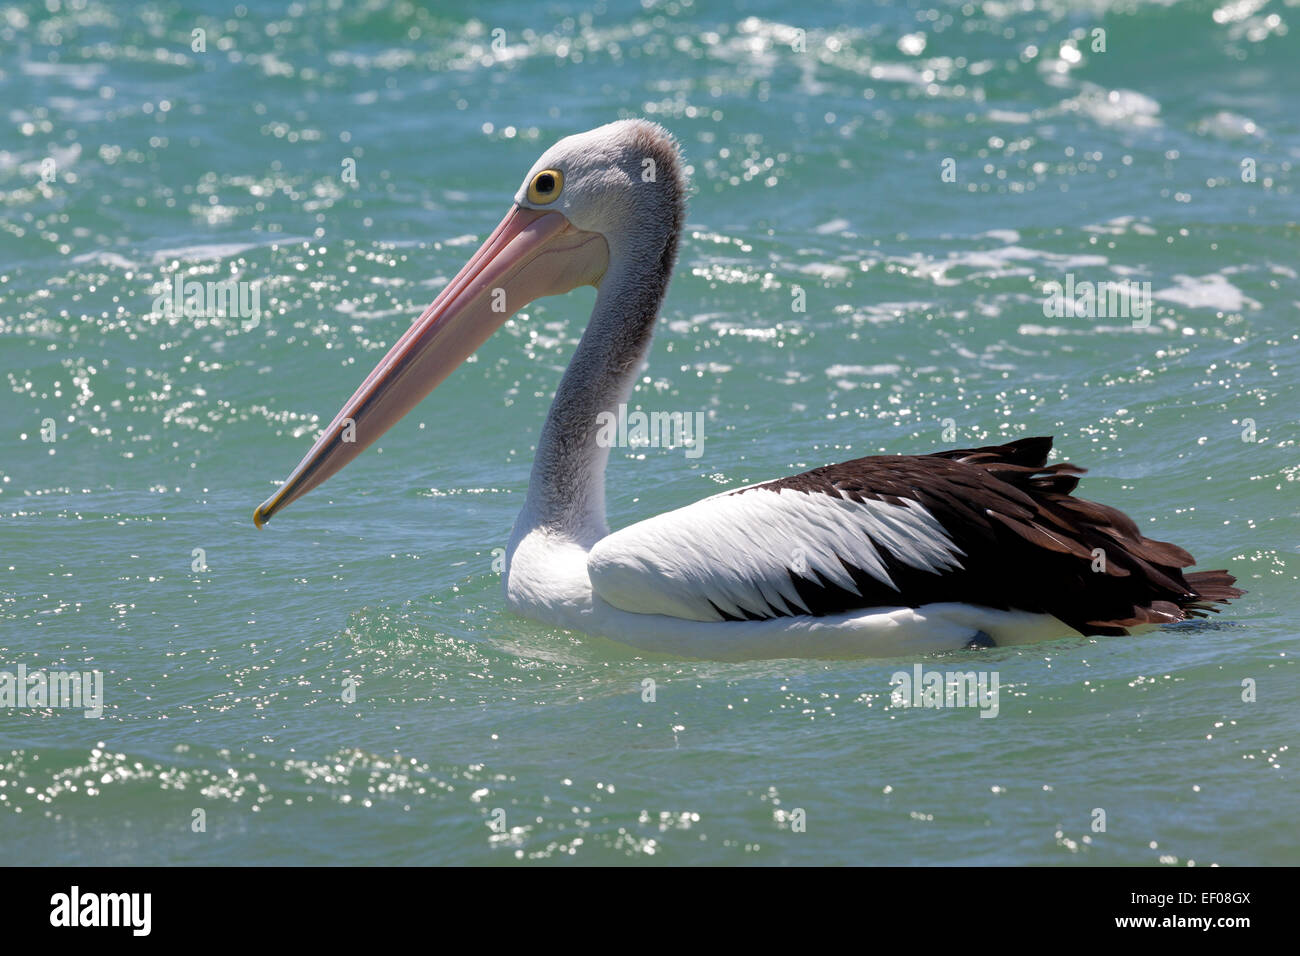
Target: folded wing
(993,526)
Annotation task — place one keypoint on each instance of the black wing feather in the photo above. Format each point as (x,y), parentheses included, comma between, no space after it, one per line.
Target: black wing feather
(1028,544)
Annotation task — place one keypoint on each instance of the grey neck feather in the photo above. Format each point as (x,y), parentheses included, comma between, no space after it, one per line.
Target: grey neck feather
(566,491)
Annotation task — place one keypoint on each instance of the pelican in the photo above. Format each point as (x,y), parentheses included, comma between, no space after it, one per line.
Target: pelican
(876,557)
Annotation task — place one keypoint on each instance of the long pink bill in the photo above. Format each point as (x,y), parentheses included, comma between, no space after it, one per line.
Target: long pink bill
(531,254)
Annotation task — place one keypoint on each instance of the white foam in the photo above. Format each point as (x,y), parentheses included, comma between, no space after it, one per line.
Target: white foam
(831,227)
(203,253)
(104,258)
(1206,292)
(839,371)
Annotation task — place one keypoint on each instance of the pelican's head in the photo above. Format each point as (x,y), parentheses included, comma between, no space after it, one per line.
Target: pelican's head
(622,181)
(611,199)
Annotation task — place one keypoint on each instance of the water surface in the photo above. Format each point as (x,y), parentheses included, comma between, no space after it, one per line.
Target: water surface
(818,160)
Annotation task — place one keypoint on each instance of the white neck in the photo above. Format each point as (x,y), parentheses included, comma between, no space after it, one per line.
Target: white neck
(566,490)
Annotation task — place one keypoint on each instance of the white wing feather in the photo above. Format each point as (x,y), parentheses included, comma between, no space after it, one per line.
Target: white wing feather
(738,551)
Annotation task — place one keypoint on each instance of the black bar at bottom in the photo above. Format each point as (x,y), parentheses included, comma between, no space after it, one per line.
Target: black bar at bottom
(274,904)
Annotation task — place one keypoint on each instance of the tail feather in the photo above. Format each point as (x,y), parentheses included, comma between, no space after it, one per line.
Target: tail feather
(1061,524)
(1027,452)
(1211,587)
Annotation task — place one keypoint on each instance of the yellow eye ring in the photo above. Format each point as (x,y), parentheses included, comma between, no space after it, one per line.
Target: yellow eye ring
(545,187)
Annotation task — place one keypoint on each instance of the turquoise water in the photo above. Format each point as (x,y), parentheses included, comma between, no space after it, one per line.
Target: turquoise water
(225,672)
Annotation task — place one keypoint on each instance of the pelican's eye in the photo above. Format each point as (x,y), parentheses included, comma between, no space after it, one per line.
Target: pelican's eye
(545,186)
